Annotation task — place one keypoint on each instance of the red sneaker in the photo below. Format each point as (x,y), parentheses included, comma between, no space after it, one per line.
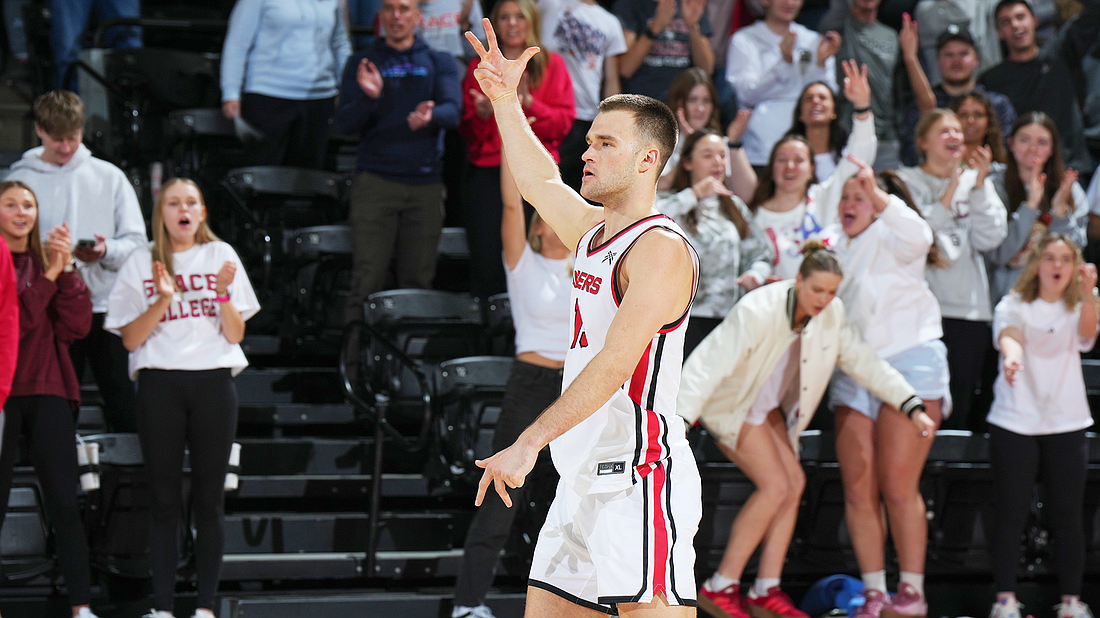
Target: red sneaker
(775,604)
(726,603)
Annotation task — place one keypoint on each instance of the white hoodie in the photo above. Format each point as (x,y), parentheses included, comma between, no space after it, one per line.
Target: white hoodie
(93,197)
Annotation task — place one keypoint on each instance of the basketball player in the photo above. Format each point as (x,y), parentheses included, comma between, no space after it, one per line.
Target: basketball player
(619,533)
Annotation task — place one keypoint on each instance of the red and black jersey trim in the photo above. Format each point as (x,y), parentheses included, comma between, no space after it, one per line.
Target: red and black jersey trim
(590,250)
(534,583)
(617,294)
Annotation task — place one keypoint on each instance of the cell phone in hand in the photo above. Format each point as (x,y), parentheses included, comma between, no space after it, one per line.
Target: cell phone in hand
(85,243)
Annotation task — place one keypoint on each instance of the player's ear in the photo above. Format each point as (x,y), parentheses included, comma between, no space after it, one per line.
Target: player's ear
(651,157)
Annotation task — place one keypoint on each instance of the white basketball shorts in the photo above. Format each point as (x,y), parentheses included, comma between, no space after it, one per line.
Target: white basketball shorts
(598,550)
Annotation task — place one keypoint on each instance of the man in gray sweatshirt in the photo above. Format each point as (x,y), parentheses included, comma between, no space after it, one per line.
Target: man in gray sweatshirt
(97,201)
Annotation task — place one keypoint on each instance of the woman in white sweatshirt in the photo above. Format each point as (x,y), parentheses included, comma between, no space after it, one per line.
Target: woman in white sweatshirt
(885,245)
(754,383)
(787,204)
(967,219)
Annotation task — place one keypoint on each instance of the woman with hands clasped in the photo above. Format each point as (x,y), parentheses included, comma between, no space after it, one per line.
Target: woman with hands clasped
(1041,196)
(734,254)
(967,218)
(787,204)
(1039,414)
(885,245)
(55,309)
(769,63)
(180,307)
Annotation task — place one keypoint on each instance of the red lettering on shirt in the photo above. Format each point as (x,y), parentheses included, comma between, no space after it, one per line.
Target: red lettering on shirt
(586,282)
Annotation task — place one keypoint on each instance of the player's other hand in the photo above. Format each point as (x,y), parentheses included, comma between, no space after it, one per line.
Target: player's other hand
(507,469)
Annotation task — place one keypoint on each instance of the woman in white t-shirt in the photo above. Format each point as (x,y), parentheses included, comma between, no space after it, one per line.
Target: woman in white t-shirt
(1039,415)
(886,245)
(538,267)
(180,307)
(787,204)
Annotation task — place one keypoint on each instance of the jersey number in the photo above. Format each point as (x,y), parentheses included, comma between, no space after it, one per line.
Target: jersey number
(579,337)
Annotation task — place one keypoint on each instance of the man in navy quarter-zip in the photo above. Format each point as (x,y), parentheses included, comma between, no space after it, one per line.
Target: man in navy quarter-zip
(399,96)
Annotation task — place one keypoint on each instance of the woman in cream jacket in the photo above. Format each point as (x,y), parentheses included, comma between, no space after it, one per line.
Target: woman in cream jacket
(755,383)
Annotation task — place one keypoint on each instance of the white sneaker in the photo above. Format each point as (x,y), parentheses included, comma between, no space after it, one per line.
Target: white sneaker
(203,613)
(86,613)
(157,614)
(481,611)
(1006,609)
(1076,609)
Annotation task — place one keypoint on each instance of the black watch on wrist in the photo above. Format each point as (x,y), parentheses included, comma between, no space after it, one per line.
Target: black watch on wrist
(647,33)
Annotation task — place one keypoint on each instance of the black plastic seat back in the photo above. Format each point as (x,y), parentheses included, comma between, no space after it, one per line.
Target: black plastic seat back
(469,394)
(502,330)
(24,545)
(428,325)
(286,182)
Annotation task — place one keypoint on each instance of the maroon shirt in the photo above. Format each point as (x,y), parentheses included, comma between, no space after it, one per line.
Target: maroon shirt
(51,316)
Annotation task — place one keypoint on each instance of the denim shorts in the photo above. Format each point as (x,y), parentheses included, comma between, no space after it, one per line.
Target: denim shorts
(924,367)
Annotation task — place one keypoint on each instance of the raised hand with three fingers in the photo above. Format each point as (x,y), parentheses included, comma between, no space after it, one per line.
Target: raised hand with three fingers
(498,76)
(857,88)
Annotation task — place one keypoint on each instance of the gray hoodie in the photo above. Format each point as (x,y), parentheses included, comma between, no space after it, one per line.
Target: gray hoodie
(93,197)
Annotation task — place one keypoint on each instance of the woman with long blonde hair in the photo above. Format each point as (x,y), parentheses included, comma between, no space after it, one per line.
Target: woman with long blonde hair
(180,307)
(1039,415)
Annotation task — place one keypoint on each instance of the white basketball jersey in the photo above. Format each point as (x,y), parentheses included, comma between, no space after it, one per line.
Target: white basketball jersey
(638,426)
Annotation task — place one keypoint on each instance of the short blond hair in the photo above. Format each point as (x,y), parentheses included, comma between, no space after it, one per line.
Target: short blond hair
(59,113)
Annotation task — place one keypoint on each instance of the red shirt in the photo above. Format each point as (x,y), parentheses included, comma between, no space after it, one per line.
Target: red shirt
(552,106)
(51,316)
(9,324)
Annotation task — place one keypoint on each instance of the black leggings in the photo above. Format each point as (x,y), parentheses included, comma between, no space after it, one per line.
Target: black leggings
(47,423)
(1060,462)
(196,409)
(531,389)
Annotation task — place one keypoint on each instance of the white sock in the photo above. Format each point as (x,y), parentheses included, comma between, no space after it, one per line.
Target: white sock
(460,610)
(204,613)
(915,580)
(762,585)
(719,582)
(874,580)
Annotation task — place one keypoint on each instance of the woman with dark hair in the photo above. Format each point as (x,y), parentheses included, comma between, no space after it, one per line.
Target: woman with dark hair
(980,126)
(1041,196)
(694,99)
(733,252)
(755,383)
(55,309)
(815,119)
(546,94)
(180,306)
(1039,415)
(787,204)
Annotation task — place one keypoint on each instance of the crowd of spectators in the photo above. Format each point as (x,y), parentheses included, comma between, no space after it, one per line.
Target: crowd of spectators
(984,109)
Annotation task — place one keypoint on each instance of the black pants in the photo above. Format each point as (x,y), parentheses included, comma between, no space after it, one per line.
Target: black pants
(46,421)
(110,364)
(531,389)
(1059,461)
(197,410)
(572,149)
(697,331)
(483,210)
(295,132)
(967,343)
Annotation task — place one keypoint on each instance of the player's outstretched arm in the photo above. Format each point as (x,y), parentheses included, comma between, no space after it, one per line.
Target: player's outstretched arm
(658,278)
(535,172)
